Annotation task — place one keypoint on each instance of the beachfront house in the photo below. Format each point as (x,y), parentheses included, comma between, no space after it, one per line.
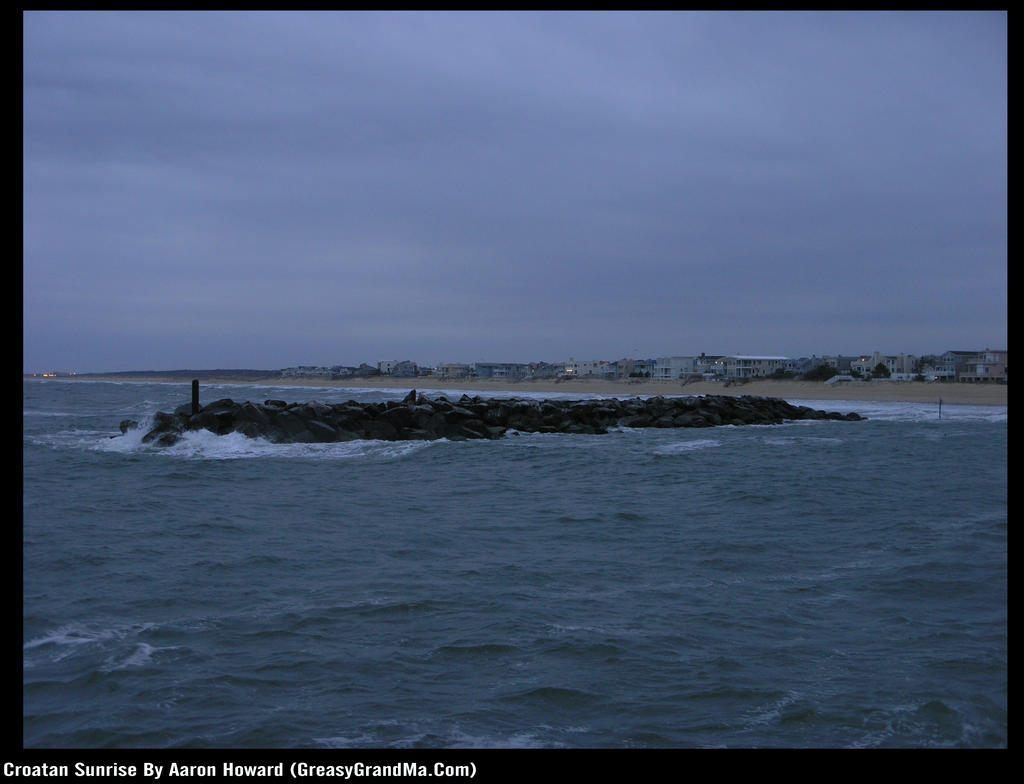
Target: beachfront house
(953,363)
(947,367)
(801,365)
(454,370)
(500,370)
(840,362)
(677,367)
(935,368)
(901,367)
(635,368)
(399,368)
(987,367)
(538,370)
(711,366)
(749,366)
(594,368)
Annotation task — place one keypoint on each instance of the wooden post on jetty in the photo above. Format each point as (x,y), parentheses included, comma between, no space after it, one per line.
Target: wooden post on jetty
(195,396)
(940,408)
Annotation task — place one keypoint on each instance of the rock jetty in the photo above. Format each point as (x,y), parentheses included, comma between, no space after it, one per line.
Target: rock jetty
(420,418)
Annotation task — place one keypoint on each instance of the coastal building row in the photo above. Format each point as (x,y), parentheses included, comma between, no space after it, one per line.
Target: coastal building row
(332,372)
(985,366)
(952,366)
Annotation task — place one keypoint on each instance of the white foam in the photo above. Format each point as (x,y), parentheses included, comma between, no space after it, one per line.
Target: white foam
(101,440)
(140,657)
(803,441)
(205,445)
(68,640)
(522,739)
(70,635)
(685,447)
(908,412)
(772,712)
(130,441)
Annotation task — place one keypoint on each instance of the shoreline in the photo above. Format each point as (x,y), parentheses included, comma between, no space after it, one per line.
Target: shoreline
(894,392)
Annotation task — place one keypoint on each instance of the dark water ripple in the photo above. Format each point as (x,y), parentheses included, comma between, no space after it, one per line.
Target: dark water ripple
(811,585)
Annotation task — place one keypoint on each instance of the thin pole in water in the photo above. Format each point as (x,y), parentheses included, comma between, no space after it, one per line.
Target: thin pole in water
(940,408)
(195,396)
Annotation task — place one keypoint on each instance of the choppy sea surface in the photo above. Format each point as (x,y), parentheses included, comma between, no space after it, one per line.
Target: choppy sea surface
(815,585)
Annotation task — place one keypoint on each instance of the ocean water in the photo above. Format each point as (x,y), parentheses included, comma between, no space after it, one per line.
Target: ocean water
(811,585)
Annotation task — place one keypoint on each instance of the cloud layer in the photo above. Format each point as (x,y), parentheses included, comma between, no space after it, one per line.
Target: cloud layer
(270,189)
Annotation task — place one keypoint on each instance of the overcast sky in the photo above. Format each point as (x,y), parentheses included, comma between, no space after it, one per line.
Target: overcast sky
(261,190)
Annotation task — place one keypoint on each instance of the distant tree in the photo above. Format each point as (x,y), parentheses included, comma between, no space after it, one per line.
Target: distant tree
(880,371)
(821,373)
(781,374)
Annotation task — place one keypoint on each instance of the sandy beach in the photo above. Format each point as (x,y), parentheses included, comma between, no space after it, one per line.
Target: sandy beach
(912,392)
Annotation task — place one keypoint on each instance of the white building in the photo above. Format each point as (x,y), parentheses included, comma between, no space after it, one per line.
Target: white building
(898,365)
(397,367)
(674,367)
(747,366)
(988,366)
(453,370)
(595,368)
(500,369)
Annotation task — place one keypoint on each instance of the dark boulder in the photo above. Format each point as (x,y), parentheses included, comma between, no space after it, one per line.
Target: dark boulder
(164,425)
(321,432)
(220,422)
(417,417)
